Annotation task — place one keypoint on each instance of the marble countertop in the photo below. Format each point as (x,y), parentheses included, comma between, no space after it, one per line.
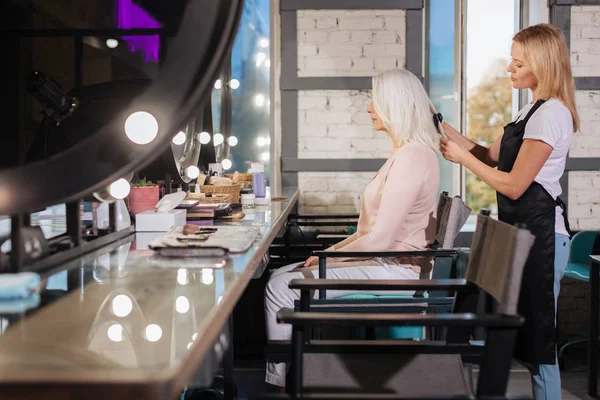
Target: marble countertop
(122,321)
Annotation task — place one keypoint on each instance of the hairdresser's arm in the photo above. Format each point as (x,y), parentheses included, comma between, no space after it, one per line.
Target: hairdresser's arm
(484,154)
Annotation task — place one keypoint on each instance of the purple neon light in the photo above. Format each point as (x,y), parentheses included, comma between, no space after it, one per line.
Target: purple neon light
(132,16)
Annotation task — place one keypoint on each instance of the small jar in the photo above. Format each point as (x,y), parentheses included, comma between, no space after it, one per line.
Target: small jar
(248,201)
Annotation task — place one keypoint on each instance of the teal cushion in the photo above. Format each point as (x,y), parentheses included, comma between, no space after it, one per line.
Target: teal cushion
(387,332)
(578,271)
(377,296)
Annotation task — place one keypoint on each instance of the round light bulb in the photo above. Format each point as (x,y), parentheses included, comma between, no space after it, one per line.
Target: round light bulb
(218,84)
(260,57)
(122,305)
(226,163)
(182,304)
(265,156)
(234,84)
(192,171)
(115,332)
(141,127)
(207,276)
(264,43)
(153,333)
(218,139)
(204,137)
(233,141)
(179,139)
(259,100)
(119,189)
(182,277)
(261,141)
(112,43)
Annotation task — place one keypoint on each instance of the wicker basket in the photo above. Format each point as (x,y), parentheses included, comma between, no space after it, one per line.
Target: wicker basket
(242,177)
(233,190)
(214,199)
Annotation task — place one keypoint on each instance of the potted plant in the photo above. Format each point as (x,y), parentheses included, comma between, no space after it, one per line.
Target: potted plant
(143,196)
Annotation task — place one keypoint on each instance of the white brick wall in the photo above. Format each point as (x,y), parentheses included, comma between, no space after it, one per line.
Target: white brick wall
(585,40)
(584,200)
(586,143)
(331,192)
(335,124)
(350,42)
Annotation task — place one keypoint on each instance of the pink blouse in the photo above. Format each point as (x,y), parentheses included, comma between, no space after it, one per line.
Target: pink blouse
(398,206)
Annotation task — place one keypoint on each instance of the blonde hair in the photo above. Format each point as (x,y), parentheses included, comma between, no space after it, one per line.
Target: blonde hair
(545,50)
(403,106)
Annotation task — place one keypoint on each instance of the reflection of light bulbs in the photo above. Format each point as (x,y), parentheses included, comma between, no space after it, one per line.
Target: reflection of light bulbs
(112,43)
(218,84)
(207,276)
(263,141)
(182,304)
(264,43)
(226,163)
(194,336)
(182,278)
(268,63)
(234,84)
(189,345)
(115,332)
(259,100)
(233,141)
(122,305)
(260,57)
(204,137)
(179,139)
(265,156)
(192,171)
(218,139)
(141,127)
(153,333)
(119,189)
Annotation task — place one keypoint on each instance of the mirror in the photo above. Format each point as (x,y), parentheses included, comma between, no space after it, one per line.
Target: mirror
(91,105)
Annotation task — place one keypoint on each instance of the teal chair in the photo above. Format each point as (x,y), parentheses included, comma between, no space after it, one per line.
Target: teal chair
(582,245)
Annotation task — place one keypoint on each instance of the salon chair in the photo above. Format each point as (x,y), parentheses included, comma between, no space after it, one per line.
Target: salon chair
(362,369)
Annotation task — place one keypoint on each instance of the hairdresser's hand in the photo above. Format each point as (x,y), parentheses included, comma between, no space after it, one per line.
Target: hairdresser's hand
(455,136)
(452,151)
(312,260)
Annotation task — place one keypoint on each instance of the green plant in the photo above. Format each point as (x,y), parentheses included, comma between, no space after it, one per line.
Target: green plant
(142,183)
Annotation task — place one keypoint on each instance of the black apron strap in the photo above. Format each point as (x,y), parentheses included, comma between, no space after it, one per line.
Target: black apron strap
(563,206)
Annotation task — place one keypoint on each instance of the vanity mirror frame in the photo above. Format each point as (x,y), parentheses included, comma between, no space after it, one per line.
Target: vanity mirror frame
(183,83)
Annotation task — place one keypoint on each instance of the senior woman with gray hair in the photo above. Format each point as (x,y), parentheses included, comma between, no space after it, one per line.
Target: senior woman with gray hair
(397,210)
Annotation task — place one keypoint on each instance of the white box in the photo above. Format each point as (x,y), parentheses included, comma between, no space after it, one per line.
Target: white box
(151,221)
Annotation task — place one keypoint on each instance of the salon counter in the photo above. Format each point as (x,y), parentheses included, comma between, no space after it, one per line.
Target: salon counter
(129,324)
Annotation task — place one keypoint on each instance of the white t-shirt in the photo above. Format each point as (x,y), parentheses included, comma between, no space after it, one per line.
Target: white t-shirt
(552,123)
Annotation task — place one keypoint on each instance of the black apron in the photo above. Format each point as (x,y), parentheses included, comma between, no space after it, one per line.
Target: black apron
(536,341)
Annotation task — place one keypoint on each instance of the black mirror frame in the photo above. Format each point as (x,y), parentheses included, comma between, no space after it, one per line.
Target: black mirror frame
(185,81)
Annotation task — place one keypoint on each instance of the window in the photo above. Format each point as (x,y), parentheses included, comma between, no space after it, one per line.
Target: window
(489,94)
(442,76)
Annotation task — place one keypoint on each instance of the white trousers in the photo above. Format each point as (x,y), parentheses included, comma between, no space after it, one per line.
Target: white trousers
(278,295)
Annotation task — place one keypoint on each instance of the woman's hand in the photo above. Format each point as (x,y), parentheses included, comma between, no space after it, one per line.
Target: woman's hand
(312,260)
(452,133)
(452,151)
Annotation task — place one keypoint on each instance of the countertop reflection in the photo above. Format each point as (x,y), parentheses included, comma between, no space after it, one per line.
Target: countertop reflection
(123,315)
